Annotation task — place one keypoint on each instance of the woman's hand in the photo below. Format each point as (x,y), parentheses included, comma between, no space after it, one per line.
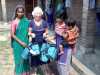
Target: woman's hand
(30,38)
(23,44)
(33,35)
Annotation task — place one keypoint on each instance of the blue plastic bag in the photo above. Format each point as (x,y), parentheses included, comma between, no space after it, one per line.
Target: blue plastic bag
(44,52)
(34,49)
(48,52)
(52,52)
(25,53)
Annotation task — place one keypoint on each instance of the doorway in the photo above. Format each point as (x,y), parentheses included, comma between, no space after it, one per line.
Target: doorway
(29,5)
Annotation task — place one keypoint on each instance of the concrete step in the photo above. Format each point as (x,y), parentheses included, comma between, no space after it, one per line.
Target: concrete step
(80,68)
(73,71)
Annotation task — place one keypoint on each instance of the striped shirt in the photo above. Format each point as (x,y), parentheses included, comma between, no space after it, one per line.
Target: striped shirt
(59,29)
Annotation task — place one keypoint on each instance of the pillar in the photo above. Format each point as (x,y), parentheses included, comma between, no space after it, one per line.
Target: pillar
(88,29)
(4,12)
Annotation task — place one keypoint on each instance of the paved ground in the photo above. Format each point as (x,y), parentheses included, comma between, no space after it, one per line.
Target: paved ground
(91,60)
(6,58)
(6,55)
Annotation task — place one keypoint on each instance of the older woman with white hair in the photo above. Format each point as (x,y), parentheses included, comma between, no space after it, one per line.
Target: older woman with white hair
(38,30)
(38,24)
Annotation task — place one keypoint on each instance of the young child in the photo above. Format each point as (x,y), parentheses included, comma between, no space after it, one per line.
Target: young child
(71,34)
(59,29)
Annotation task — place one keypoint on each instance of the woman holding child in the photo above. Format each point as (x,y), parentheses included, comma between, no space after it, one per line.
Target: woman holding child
(66,35)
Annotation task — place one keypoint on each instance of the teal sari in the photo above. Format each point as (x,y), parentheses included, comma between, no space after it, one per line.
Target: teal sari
(21,66)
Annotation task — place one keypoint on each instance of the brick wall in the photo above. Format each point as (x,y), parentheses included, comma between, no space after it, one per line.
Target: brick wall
(76,10)
(91,29)
(98,3)
(87,42)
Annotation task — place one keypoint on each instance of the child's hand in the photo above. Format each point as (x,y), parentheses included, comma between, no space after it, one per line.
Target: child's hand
(51,39)
(45,35)
(64,34)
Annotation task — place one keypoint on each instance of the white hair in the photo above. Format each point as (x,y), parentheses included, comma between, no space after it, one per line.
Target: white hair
(37,11)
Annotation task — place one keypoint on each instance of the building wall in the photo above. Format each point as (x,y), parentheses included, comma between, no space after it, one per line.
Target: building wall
(97,41)
(91,29)
(0,11)
(76,10)
(98,3)
(11,5)
(87,41)
(88,28)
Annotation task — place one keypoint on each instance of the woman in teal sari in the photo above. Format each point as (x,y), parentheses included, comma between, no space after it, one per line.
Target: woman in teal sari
(19,34)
